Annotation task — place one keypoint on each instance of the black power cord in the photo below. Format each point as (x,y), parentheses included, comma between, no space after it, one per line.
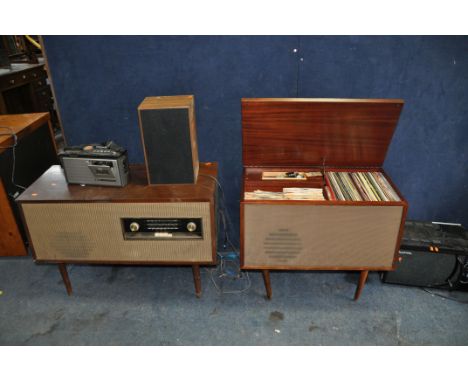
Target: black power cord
(444,296)
(461,280)
(225,217)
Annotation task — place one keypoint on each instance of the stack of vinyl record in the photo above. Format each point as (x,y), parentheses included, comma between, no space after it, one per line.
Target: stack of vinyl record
(361,186)
(291,193)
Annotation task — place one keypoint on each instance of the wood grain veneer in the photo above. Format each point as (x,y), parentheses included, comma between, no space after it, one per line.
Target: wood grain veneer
(53,187)
(307,132)
(11,242)
(22,125)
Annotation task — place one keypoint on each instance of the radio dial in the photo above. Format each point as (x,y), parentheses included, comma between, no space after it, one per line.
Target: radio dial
(191,226)
(134,226)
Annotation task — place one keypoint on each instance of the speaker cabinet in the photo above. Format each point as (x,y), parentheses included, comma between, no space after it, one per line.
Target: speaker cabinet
(169,137)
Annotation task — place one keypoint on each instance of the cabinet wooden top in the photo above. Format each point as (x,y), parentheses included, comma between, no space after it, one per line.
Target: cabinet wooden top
(20,124)
(286,132)
(52,187)
(167,102)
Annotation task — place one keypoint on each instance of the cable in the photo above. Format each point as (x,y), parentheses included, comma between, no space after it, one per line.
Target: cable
(445,297)
(32,41)
(221,268)
(226,216)
(13,147)
(226,275)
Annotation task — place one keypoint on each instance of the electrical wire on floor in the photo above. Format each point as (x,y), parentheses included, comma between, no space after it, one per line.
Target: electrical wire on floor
(227,275)
(13,148)
(444,296)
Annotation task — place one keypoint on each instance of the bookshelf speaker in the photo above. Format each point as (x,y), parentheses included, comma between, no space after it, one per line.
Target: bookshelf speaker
(169,137)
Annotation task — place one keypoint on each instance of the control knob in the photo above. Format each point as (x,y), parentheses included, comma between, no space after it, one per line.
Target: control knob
(191,226)
(134,226)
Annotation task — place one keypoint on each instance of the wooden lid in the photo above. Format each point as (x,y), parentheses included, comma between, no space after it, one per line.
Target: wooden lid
(317,131)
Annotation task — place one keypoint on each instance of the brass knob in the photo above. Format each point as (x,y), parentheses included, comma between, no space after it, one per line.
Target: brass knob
(191,226)
(134,226)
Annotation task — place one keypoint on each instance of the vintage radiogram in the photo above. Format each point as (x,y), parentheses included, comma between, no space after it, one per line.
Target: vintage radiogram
(316,137)
(136,224)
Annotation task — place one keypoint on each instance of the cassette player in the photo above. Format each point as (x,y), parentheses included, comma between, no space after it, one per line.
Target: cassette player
(103,164)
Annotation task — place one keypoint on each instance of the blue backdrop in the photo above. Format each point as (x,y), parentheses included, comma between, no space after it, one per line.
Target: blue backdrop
(99,82)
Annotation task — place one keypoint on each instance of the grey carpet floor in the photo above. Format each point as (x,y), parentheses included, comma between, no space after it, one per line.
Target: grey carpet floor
(126,305)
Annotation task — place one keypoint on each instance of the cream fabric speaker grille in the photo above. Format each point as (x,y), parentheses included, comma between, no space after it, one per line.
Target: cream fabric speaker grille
(320,236)
(93,232)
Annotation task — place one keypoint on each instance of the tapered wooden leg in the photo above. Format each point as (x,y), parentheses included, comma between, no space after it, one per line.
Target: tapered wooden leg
(362,281)
(66,280)
(196,279)
(266,280)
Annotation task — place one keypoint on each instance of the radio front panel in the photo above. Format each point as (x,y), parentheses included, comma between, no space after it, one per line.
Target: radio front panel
(121,232)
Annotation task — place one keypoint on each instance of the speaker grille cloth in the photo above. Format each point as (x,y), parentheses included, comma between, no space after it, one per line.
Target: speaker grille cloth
(167,145)
(93,231)
(320,236)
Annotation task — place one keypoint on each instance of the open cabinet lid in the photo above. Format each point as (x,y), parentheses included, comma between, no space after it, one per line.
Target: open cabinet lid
(316,131)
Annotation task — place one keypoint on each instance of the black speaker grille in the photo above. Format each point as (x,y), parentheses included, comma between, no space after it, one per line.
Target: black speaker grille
(166,134)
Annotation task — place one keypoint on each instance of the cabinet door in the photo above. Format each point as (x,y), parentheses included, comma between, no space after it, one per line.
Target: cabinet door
(320,236)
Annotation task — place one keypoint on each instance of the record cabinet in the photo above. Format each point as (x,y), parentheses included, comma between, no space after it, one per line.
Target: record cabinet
(318,136)
(136,224)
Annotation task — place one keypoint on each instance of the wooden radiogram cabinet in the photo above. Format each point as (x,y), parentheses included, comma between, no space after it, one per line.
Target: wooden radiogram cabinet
(135,224)
(318,136)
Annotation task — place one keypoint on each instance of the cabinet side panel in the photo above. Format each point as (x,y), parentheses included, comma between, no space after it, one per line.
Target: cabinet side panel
(93,232)
(295,236)
(11,242)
